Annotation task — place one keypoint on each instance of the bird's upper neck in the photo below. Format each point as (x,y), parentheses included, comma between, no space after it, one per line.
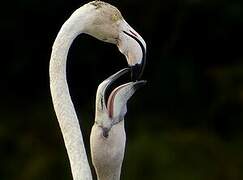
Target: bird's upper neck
(62,102)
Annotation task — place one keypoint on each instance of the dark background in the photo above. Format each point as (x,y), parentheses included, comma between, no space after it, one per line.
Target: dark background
(186,124)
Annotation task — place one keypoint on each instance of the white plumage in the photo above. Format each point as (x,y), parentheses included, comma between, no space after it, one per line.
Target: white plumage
(108,137)
(104,22)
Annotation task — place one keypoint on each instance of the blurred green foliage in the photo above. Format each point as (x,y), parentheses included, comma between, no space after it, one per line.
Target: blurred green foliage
(185,125)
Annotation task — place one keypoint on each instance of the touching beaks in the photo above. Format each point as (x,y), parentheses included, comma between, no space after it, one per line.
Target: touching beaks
(132,45)
(137,66)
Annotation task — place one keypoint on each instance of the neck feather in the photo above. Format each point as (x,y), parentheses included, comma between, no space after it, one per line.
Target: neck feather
(63,105)
(111,176)
(108,153)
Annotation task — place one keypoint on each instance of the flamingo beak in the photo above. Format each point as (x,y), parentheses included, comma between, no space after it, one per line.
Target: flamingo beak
(137,66)
(101,92)
(101,105)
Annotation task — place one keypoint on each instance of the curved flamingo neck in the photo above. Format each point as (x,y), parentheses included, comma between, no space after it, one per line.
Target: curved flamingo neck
(62,102)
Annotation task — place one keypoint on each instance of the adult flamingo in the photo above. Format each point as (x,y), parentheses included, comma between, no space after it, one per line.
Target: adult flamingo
(105,22)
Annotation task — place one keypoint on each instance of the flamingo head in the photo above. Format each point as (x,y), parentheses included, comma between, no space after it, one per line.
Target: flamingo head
(111,113)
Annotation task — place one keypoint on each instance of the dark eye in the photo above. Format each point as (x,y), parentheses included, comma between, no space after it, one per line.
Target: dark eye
(101,101)
(115,17)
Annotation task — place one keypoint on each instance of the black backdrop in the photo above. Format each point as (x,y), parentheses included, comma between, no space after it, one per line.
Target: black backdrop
(185,124)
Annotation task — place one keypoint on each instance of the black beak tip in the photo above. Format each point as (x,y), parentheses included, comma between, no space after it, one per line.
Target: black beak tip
(137,69)
(139,84)
(136,72)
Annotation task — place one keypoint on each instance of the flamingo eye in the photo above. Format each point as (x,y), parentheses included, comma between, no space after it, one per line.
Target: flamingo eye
(115,17)
(101,102)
